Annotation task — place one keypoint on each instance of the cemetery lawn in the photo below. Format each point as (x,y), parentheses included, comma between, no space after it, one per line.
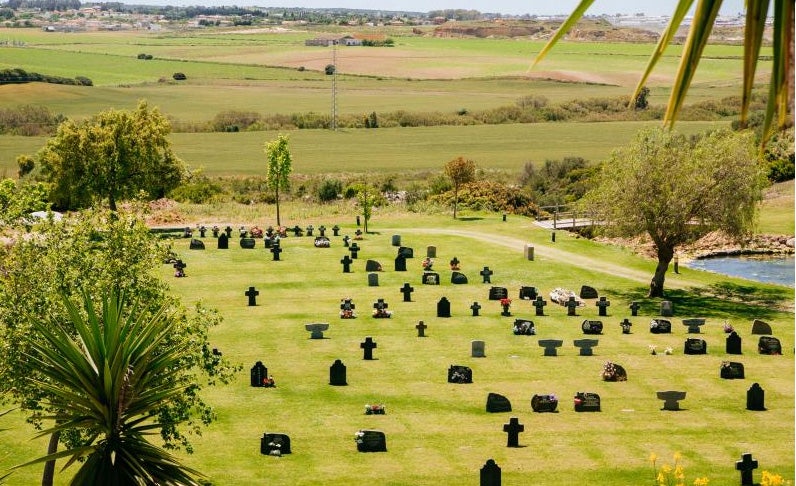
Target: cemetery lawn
(437,432)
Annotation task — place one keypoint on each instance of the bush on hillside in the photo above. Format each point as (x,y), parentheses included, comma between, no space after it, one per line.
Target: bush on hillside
(491,196)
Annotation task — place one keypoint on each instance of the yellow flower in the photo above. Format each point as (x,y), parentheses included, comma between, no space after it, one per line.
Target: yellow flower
(701,481)
(770,479)
(677,456)
(661,479)
(679,472)
(653,457)
(666,469)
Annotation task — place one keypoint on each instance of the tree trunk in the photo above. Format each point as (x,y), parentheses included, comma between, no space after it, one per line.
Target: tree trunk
(48,476)
(665,254)
(455,199)
(278,221)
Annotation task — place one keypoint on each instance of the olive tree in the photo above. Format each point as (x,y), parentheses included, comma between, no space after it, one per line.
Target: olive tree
(676,190)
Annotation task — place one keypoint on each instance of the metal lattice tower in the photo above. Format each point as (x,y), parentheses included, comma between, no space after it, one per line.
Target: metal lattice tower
(333,124)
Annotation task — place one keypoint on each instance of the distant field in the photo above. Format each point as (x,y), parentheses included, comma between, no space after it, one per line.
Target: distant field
(390,150)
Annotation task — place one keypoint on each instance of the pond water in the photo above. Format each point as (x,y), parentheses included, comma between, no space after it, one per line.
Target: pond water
(768,269)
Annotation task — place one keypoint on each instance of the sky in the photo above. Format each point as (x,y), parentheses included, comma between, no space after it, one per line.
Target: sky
(514,7)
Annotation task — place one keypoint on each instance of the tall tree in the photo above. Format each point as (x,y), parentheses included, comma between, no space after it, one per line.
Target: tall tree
(366,197)
(676,190)
(781,86)
(461,171)
(107,372)
(109,157)
(93,253)
(280,165)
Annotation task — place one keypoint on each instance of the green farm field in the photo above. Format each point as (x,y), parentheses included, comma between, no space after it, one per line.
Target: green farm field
(440,433)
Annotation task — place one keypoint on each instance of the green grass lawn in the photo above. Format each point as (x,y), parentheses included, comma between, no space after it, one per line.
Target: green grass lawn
(439,433)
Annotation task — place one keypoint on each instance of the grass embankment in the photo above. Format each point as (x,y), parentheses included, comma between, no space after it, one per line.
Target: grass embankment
(439,433)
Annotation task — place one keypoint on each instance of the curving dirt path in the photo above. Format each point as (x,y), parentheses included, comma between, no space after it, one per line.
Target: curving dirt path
(557,255)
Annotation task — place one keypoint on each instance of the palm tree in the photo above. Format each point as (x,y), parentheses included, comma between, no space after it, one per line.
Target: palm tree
(107,382)
(705,14)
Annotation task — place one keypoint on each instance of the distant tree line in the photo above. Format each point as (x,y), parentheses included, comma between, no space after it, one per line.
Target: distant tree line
(456,14)
(46,5)
(17,75)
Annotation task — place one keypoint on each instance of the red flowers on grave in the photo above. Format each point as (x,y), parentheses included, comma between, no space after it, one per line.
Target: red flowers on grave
(505,302)
(427,263)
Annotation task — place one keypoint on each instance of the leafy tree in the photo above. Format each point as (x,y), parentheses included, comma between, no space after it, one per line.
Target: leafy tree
(676,190)
(280,165)
(367,198)
(94,253)
(26,164)
(111,156)
(109,381)
(461,171)
(781,87)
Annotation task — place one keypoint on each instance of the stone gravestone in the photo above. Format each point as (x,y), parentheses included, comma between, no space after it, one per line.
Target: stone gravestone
(197,244)
(317,329)
(695,346)
(693,325)
(544,403)
(587,292)
(571,304)
(252,294)
(275,251)
(443,307)
(550,346)
(671,399)
(761,327)
(666,308)
(634,307)
(613,372)
(274,444)
(400,263)
(335,230)
(585,346)
(755,398)
(372,266)
(407,291)
(486,274)
(310,229)
(354,249)
(247,243)
(528,293)
(477,349)
(421,329)
(539,304)
(396,240)
(371,441)
(591,327)
(458,278)
(475,308)
(373,280)
(337,374)
(454,263)
(223,241)
(259,373)
(513,429)
(322,242)
(497,403)
(347,309)
(746,465)
(431,252)
(228,231)
(528,252)
(367,346)
(430,278)
(733,343)
(380,310)
(498,293)
(490,474)
(179,268)
(322,230)
(523,327)
(625,325)
(603,304)
(346,261)
(587,402)
(406,252)
(460,374)
(346,241)
(769,345)
(730,370)
(660,326)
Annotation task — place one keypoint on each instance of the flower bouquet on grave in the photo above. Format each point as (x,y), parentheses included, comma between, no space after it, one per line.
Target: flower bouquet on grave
(506,303)
(728,327)
(359,437)
(268,382)
(613,372)
(652,349)
(256,232)
(374,409)
(427,263)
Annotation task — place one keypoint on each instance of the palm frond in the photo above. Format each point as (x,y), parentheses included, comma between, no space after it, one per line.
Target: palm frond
(563,29)
(756,12)
(779,92)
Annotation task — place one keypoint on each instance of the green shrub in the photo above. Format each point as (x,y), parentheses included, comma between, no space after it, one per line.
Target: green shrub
(487,195)
(329,190)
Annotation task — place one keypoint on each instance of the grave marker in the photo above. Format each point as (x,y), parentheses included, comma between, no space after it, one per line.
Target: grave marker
(454,263)
(322,242)
(347,309)
(694,325)
(400,263)
(528,293)
(443,307)
(660,326)
(310,229)
(528,252)
(498,293)
(346,261)
(380,309)
(477,349)
(746,465)
(316,329)
(371,441)
(259,373)
(695,346)
(603,304)
(666,308)
(571,304)
(430,278)
(322,230)
(372,266)
(346,241)
(733,343)
(769,345)
(587,402)
(524,327)
(228,232)
(591,327)
(587,292)
(396,240)
(585,346)
(373,280)
(486,274)
(513,428)
(276,250)
(625,325)
(252,294)
(431,252)
(755,398)
(458,278)
(671,399)
(337,374)
(490,474)
(761,327)
(497,403)
(550,346)
(407,291)
(613,372)
(335,230)
(731,370)
(196,244)
(539,304)
(406,252)
(544,403)
(247,243)
(179,268)
(354,249)
(634,307)
(475,308)
(274,444)
(460,374)
(421,329)
(368,345)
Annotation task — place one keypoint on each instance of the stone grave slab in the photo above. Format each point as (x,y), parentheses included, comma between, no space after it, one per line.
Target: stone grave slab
(496,403)
(671,399)
(371,441)
(317,329)
(460,374)
(544,403)
(731,370)
(695,346)
(587,402)
(274,444)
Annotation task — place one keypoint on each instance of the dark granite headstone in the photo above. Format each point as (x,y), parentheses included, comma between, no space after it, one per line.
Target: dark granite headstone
(539,303)
(603,304)
(259,373)
(625,325)
(634,307)
(756,398)
(337,374)
(592,327)
(498,293)
(372,266)
(317,329)
(544,403)
(458,278)
(443,307)
(421,329)
(371,441)
(486,275)
(223,241)
(667,310)
(769,345)
(396,240)
(431,252)
(400,263)
(247,243)
(671,399)
(367,346)
(550,346)
(373,280)
(572,305)
(733,343)
(406,252)
(346,261)
(746,465)
(475,308)
(513,429)
(407,291)
(660,326)
(460,374)
(695,346)
(524,327)
(585,345)
(274,444)
(694,325)
(761,327)
(197,244)
(587,292)
(430,278)
(252,294)
(613,372)
(322,242)
(528,293)
(587,402)
(731,370)
(490,474)
(496,403)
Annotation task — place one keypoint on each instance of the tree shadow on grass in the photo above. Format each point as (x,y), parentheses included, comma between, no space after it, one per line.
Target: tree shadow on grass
(721,299)
(470,218)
